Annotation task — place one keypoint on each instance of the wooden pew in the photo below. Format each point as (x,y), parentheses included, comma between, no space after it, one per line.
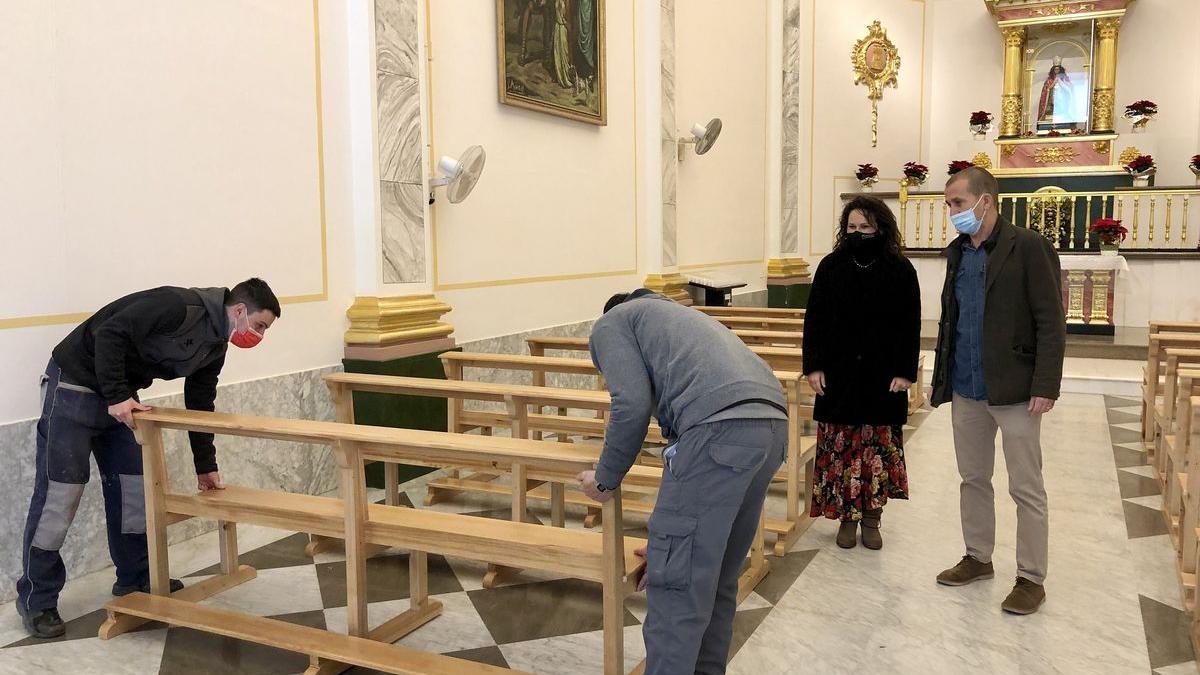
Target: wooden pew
(519,399)
(1181,485)
(779,312)
(800,451)
(761,323)
(1163,334)
(1164,415)
(779,358)
(606,557)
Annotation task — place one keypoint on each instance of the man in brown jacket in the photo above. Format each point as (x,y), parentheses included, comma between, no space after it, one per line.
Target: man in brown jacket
(999,362)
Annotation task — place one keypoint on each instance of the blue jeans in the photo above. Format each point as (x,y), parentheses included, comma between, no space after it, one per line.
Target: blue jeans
(74,425)
(702,527)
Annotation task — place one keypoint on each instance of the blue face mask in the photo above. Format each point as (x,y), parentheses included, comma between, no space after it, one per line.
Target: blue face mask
(967,222)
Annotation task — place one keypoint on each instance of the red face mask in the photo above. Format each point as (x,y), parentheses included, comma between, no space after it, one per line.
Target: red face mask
(244,337)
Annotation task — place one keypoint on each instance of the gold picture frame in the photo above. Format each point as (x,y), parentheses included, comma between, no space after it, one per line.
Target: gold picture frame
(876,63)
(551,57)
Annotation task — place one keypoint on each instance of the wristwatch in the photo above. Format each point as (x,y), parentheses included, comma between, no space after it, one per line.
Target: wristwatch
(601,488)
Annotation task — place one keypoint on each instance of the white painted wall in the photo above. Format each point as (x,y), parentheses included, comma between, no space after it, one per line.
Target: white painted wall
(721,71)
(136,158)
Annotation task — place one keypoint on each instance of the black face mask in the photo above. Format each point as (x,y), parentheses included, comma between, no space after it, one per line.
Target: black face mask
(859,242)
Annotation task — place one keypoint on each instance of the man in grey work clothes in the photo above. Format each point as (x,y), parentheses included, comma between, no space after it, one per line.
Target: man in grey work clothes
(724,415)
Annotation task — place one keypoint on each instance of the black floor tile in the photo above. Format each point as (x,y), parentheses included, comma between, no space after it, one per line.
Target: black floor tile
(387,579)
(542,609)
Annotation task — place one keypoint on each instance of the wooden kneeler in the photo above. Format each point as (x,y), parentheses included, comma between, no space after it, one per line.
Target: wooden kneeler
(605,557)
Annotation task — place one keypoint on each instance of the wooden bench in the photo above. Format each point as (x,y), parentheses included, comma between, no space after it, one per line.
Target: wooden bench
(1163,334)
(779,312)
(801,450)
(761,323)
(518,399)
(607,557)
(1177,359)
(779,358)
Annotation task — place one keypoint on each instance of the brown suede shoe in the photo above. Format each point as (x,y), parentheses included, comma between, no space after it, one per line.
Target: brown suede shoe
(1025,597)
(871,537)
(847,534)
(967,570)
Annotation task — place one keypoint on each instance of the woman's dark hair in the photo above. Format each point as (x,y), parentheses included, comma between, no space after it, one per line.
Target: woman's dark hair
(878,214)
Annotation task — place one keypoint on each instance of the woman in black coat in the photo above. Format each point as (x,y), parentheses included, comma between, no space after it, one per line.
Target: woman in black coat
(862,334)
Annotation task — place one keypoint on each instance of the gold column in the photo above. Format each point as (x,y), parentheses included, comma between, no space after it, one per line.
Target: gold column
(1010,105)
(1075,280)
(672,285)
(1106,74)
(381,322)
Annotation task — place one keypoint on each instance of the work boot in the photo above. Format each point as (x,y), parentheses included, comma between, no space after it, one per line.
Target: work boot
(43,624)
(1025,597)
(846,536)
(119,590)
(870,529)
(967,570)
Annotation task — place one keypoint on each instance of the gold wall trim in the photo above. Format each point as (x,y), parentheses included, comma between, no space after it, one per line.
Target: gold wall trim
(79,317)
(1059,19)
(433,156)
(727,263)
(1061,171)
(385,321)
(1055,139)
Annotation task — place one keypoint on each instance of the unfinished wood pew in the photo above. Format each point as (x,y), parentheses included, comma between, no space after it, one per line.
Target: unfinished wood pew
(774,312)
(779,358)
(1163,334)
(1175,360)
(1178,454)
(761,323)
(519,399)
(607,557)
(801,450)
(1187,442)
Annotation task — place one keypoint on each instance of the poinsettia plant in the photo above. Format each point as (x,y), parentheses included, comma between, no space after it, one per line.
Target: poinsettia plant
(981,117)
(866,172)
(917,173)
(958,165)
(1194,165)
(1109,231)
(1142,164)
(1142,108)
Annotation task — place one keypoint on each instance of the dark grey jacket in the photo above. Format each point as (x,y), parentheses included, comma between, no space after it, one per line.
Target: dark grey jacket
(659,357)
(1024,329)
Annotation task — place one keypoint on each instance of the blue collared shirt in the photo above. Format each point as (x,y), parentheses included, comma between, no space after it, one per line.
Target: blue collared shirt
(969,288)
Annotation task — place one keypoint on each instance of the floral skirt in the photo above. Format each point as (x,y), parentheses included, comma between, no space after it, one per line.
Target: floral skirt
(858,467)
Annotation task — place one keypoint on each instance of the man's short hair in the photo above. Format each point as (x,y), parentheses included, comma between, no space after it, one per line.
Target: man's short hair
(614,301)
(256,295)
(979,181)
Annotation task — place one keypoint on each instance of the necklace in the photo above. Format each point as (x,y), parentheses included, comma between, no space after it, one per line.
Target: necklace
(862,266)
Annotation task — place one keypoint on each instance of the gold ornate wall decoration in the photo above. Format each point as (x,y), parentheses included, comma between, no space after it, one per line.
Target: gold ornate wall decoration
(1101,147)
(982,161)
(1065,8)
(1129,154)
(1008,150)
(876,63)
(385,321)
(1055,154)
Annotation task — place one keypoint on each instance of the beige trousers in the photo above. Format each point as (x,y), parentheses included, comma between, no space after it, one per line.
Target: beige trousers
(975,424)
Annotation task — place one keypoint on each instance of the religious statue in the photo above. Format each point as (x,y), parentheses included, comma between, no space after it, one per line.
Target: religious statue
(1056,96)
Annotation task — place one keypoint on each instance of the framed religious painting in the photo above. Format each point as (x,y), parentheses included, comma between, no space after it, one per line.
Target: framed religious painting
(551,57)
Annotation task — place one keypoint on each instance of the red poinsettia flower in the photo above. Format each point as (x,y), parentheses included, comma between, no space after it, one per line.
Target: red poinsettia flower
(981,117)
(1142,107)
(917,171)
(1108,230)
(958,165)
(1195,163)
(1141,164)
(866,171)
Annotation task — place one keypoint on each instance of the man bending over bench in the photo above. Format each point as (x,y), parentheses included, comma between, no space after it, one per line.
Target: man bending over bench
(90,392)
(725,417)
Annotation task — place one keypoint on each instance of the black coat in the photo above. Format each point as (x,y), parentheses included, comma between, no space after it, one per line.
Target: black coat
(862,328)
(1024,330)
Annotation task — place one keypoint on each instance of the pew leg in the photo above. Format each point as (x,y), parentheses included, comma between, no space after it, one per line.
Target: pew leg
(391,483)
(593,517)
(759,566)
(227,541)
(558,505)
